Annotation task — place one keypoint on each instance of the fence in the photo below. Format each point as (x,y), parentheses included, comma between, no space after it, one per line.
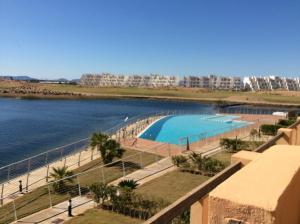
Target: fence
(56,191)
(33,172)
(48,191)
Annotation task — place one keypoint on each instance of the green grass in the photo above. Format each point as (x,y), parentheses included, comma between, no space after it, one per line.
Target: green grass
(169,187)
(277,97)
(223,156)
(99,216)
(38,199)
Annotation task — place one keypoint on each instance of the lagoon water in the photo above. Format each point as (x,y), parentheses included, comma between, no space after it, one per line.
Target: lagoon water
(28,127)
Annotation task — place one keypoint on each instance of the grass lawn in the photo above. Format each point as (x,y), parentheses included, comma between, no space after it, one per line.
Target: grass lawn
(38,199)
(223,156)
(171,186)
(168,187)
(99,216)
(277,97)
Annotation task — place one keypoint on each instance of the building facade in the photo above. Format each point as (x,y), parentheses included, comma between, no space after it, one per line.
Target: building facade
(270,83)
(110,80)
(213,82)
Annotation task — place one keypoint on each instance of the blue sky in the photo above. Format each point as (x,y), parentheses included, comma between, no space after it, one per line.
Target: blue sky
(65,38)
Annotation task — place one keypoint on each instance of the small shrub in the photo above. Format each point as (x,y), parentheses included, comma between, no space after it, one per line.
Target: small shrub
(197,160)
(212,166)
(100,192)
(128,184)
(270,129)
(286,122)
(179,161)
(232,145)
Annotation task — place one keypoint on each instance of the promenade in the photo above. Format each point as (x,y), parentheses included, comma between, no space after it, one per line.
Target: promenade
(38,177)
(58,213)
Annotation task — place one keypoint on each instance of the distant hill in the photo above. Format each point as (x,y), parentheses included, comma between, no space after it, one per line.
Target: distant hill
(23,78)
(28,78)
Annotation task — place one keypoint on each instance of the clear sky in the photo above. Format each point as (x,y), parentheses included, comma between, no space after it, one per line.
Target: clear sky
(65,38)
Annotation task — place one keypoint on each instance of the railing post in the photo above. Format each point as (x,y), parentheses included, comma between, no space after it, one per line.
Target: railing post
(2,191)
(47,173)
(79,189)
(79,158)
(141,161)
(46,159)
(103,179)
(8,173)
(92,154)
(123,167)
(15,211)
(61,154)
(28,173)
(49,193)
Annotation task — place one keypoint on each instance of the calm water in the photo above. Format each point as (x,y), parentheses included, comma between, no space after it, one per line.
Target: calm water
(28,127)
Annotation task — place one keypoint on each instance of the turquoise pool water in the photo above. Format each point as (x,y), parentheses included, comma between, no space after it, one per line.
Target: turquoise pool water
(173,129)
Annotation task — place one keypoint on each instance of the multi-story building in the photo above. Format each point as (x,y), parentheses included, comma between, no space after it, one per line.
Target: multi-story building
(213,82)
(291,84)
(106,80)
(271,83)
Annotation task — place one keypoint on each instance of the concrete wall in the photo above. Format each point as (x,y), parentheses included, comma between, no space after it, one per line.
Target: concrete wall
(266,190)
(222,210)
(288,209)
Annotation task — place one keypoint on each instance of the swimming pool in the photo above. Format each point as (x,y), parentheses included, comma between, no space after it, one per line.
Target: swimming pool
(172,129)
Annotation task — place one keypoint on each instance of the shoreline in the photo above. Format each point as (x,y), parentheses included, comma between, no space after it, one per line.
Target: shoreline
(84,96)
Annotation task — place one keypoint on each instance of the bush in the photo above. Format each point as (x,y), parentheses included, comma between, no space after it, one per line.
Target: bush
(232,145)
(100,192)
(212,166)
(270,129)
(179,161)
(128,184)
(286,122)
(197,160)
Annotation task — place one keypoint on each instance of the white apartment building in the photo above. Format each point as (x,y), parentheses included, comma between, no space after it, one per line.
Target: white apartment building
(291,84)
(110,80)
(271,83)
(213,82)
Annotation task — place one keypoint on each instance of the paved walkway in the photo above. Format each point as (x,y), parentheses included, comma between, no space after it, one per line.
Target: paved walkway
(58,214)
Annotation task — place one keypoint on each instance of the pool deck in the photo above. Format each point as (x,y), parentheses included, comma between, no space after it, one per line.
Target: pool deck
(203,145)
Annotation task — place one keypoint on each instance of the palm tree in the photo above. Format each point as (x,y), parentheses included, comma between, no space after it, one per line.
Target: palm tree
(100,192)
(59,175)
(128,184)
(109,150)
(97,141)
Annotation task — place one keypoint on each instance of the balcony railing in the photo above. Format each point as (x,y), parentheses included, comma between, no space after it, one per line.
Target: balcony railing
(172,211)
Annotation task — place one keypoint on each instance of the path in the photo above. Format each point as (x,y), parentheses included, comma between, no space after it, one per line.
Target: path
(37,177)
(58,214)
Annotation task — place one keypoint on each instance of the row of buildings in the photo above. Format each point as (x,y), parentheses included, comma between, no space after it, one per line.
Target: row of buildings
(110,80)
(252,83)
(271,83)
